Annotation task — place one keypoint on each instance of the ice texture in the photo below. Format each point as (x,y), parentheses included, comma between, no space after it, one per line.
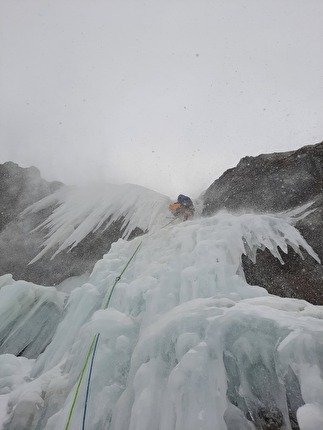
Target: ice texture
(185,343)
(29,315)
(81,210)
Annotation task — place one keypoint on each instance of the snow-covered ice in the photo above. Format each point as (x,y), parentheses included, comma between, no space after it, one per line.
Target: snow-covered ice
(185,343)
(81,210)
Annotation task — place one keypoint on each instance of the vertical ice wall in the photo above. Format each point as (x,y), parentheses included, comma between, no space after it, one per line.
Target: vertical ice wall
(185,343)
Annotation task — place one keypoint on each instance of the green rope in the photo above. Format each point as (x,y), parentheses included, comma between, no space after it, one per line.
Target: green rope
(174,219)
(87,395)
(79,383)
(104,305)
(107,299)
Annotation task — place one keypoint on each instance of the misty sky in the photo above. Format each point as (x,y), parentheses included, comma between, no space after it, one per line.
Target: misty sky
(162,93)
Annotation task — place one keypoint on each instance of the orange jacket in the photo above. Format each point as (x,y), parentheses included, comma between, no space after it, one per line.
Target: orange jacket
(174,207)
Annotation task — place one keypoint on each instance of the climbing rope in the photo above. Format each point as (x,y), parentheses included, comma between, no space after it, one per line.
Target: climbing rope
(93,347)
(94,343)
(107,299)
(89,380)
(79,383)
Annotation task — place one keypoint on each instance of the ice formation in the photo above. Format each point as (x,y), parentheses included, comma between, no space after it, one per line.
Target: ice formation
(81,210)
(185,343)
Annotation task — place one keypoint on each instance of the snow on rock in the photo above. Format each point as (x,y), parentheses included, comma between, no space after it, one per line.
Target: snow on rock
(185,343)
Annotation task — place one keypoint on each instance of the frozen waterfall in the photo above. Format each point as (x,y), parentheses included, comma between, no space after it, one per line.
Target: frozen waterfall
(185,344)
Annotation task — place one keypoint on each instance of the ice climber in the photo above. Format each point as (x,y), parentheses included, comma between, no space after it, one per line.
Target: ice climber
(183,208)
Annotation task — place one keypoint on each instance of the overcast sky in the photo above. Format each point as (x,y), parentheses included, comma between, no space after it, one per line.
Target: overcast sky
(162,93)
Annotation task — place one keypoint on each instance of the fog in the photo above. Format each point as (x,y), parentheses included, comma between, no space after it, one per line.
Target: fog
(164,94)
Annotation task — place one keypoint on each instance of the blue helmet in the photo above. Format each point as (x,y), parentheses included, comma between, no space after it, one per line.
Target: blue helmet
(181,198)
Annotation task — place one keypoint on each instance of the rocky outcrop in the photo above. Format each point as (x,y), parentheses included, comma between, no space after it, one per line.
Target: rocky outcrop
(20,243)
(270,182)
(19,188)
(274,183)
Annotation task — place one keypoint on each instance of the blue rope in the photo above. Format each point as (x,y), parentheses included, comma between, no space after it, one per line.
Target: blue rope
(105,304)
(89,381)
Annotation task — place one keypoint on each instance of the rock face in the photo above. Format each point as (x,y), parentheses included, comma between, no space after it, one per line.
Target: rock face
(19,244)
(19,188)
(267,183)
(275,183)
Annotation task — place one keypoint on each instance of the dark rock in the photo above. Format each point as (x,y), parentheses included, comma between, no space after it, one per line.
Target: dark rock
(20,243)
(297,278)
(270,182)
(274,183)
(19,188)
